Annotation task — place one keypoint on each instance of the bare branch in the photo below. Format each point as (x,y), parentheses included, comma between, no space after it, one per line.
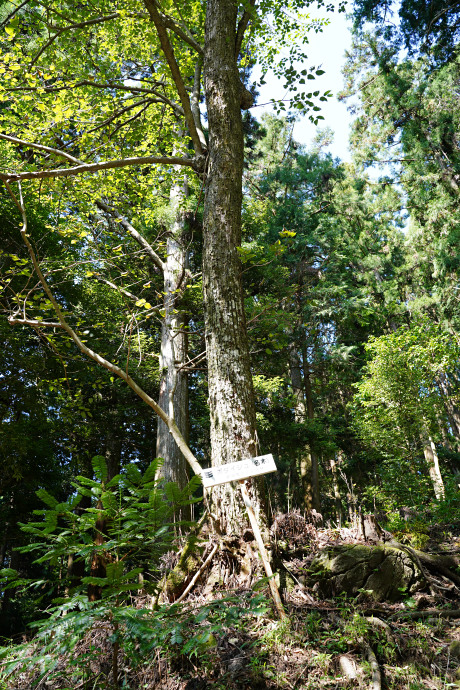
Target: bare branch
(97,85)
(133,232)
(119,113)
(15,11)
(40,147)
(94,167)
(182,33)
(33,322)
(130,119)
(175,73)
(98,20)
(46,45)
(242,26)
(192,363)
(195,103)
(113,368)
(118,288)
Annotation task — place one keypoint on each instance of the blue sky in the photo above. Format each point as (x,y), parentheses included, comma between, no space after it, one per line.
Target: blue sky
(328,50)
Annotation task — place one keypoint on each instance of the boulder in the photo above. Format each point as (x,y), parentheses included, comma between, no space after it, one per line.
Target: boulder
(386,571)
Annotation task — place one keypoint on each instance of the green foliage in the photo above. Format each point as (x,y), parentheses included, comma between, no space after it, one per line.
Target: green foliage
(398,401)
(135,634)
(128,514)
(133,511)
(430,28)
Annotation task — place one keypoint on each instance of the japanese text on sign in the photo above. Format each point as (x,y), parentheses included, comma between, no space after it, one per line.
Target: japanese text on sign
(236,471)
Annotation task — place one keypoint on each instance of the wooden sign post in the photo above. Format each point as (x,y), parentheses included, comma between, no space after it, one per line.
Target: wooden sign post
(240,471)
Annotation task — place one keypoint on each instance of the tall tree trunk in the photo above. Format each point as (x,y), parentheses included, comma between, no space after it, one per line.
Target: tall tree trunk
(300,414)
(316,502)
(453,413)
(231,396)
(336,488)
(174,379)
(432,461)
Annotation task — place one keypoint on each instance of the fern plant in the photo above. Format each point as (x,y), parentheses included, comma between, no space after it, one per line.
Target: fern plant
(132,514)
(127,527)
(135,511)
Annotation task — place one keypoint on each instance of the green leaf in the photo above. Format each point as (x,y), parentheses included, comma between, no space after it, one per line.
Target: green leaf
(46,497)
(100,467)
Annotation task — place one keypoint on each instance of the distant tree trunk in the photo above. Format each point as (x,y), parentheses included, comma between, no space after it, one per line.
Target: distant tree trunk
(316,501)
(231,395)
(76,568)
(336,489)
(112,454)
(432,461)
(113,449)
(174,379)
(300,414)
(453,413)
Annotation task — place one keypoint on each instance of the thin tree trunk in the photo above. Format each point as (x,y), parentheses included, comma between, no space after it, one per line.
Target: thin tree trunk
(432,461)
(174,379)
(300,414)
(231,396)
(335,486)
(316,502)
(453,413)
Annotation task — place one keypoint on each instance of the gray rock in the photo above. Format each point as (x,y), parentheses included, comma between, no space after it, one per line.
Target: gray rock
(387,572)
(454,650)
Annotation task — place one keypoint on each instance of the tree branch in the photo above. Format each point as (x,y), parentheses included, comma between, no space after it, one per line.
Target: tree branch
(113,212)
(11,14)
(41,147)
(122,290)
(33,322)
(195,102)
(113,368)
(175,73)
(119,87)
(184,35)
(103,165)
(98,20)
(242,26)
(119,113)
(133,232)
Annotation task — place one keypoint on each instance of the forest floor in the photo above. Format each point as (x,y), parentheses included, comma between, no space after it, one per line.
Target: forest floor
(338,642)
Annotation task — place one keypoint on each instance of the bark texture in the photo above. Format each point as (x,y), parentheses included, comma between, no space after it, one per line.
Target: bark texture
(336,488)
(308,462)
(432,461)
(231,397)
(174,379)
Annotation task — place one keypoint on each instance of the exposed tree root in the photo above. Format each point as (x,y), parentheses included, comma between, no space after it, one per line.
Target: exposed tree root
(189,561)
(442,565)
(379,623)
(197,575)
(430,613)
(376,682)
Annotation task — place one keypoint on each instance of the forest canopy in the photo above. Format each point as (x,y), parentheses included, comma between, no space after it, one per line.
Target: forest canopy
(183,286)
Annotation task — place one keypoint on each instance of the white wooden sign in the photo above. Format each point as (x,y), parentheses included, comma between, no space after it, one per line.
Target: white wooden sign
(236,471)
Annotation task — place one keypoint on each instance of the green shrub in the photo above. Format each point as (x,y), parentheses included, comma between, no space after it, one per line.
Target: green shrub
(130,516)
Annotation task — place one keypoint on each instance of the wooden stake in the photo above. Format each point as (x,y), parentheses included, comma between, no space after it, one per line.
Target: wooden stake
(263,552)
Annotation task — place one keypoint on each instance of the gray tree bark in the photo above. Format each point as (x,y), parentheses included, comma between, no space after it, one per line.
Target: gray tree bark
(300,415)
(231,396)
(308,464)
(453,413)
(432,461)
(173,397)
